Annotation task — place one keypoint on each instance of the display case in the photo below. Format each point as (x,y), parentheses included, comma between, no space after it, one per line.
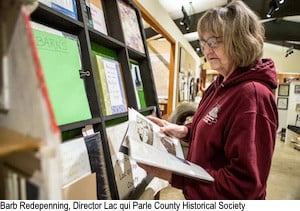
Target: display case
(63,35)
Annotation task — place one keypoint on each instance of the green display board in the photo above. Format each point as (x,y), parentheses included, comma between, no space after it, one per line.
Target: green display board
(61,63)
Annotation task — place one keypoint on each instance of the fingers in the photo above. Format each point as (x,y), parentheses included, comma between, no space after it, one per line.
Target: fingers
(156,172)
(178,131)
(149,169)
(144,166)
(159,122)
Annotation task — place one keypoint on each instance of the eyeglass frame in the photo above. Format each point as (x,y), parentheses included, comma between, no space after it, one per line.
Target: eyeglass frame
(211,42)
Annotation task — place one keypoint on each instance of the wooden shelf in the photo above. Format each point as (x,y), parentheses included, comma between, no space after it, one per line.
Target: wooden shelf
(12,141)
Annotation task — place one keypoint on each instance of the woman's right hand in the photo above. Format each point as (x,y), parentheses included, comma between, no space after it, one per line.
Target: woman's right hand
(178,131)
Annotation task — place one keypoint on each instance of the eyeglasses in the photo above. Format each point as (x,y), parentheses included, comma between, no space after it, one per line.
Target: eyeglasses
(211,42)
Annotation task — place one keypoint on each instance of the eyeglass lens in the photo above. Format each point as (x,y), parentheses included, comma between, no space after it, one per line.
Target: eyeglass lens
(211,42)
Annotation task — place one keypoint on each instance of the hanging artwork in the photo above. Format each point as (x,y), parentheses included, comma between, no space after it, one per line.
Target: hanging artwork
(282,103)
(297,89)
(283,90)
(4,96)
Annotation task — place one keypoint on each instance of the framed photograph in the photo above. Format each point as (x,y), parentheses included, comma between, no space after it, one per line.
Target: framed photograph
(4,84)
(297,123)
(297,89)
(182,59)
(297,107)
(283,90)
(182,86)
(282,103)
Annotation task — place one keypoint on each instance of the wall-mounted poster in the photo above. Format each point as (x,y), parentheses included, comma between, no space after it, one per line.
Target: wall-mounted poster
(297,89)
(282,103)
(4,92)
(283,90)
(297,107)
(182,60)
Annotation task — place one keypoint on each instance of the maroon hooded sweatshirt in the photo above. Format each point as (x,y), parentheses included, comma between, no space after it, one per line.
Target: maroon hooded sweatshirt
(232,135)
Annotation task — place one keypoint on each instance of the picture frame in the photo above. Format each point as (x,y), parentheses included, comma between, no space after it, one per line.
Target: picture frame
(182,59)
(297,89)
(4,84)
(297,107)
(282,103)
(181,84)
(283,90)
(297,122)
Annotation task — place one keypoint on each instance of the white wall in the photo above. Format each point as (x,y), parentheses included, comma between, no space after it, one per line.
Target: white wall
(277,53)
(283,64)
(288,117)
(162,17)
(294,99)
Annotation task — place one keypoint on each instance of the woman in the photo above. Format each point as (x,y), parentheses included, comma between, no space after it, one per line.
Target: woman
(232,135)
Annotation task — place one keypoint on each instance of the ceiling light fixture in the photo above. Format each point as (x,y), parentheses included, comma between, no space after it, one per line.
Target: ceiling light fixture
(269,14)
(281,1)
(185,21)
(289,51)
(273,7)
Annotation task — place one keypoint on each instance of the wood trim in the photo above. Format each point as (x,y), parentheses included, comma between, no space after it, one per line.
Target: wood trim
(160,29)
(153,22)
(171,79)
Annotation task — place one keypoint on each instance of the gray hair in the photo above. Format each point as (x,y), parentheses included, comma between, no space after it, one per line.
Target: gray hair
(240,29)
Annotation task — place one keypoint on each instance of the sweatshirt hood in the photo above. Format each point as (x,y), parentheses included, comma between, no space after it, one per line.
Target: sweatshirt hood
(262,71)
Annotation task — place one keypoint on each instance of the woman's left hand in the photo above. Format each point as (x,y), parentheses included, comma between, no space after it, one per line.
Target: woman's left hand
(157,172)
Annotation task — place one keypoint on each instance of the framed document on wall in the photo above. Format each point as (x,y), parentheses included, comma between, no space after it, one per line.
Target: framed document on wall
(282,103)
(297,89)
(283,90)
(4,96)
